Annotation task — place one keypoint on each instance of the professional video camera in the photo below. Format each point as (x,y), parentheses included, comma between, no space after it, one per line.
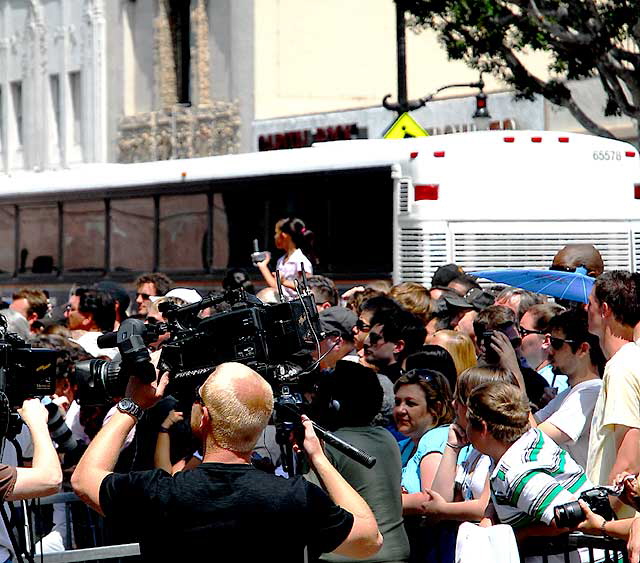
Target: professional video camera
(25,372)
(271,339)
(569,515)
(274,340)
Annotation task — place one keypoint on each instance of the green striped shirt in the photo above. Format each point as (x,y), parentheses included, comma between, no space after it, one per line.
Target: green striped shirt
(533,477)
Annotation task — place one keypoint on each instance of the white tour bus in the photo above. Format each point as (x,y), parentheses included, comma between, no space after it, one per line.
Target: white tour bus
(379,208)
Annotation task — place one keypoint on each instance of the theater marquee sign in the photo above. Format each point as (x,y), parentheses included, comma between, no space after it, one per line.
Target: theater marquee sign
(298,138)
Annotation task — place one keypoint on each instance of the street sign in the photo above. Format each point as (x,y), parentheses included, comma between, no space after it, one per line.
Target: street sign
(405,127)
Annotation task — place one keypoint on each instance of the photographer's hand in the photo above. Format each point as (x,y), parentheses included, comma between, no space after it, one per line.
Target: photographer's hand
(508,359)
(162,456)
(596,525)
(34,414)
(44,476)
(145,395)
(592,524)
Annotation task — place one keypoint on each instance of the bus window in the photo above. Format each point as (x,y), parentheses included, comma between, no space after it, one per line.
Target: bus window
(220,233)
(83,235)
(183,232)
(7,236)
(132,234)
(39,239)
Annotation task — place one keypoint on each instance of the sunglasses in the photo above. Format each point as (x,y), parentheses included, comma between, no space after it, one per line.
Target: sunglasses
(198,398)
(374,338)
(362,326)
(525,332)
(557,343)
(420,373)
(145,296)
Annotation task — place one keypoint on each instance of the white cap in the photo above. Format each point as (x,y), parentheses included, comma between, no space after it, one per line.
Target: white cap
(189,296)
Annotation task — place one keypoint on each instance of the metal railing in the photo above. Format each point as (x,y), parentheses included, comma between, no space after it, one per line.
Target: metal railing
(95,535)
(599,548)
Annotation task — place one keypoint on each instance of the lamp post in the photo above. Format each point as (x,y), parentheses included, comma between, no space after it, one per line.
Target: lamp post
(410,105)
(403,104)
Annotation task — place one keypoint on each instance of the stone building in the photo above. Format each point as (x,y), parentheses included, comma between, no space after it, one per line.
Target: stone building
(115,80)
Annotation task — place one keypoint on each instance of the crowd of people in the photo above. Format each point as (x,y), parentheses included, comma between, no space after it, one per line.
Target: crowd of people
(480,404)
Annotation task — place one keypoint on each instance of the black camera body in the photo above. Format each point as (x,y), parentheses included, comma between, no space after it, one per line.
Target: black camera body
(569,515)
(25,372)
(267,338)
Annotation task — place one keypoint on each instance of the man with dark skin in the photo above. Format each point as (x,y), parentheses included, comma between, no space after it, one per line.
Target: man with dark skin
(573,256)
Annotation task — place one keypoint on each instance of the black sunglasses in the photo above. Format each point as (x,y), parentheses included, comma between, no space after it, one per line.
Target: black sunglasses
(562,269)
(557,343)
(375,337)
(362,326)
(145,296)
(420,373)
(525,332)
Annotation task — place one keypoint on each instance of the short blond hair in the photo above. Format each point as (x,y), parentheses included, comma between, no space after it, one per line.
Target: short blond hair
(414,297)
(240,403)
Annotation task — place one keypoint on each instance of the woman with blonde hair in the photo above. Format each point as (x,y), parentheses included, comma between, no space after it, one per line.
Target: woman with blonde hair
(459,345)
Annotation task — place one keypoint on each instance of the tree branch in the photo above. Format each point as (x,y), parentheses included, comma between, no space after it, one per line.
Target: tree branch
(555,29)
(627,56)
(557,93)
(611,84)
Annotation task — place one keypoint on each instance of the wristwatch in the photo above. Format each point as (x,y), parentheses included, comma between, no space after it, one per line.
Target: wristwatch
(129,407)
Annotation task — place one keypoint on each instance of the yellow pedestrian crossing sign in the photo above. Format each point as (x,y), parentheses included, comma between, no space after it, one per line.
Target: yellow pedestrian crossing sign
(405,127)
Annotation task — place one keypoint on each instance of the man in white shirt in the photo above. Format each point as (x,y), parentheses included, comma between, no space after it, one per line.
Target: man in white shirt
(615,429)
(576,353)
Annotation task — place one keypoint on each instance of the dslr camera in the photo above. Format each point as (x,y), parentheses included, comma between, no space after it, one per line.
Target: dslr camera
(571,514)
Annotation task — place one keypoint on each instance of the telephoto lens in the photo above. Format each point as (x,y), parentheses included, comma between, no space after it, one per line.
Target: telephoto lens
(58,429)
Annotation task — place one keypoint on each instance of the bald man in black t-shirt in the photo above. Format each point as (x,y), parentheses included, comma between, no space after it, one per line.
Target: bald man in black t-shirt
(224,508)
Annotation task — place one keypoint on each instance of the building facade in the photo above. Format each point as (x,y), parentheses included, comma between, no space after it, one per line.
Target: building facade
(138,80)
(117,81)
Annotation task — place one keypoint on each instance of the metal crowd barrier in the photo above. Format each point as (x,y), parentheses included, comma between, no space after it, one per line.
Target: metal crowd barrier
(94,535)
(599,549)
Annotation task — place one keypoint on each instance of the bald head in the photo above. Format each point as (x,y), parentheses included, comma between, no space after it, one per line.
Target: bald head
(575,255)
(239,403)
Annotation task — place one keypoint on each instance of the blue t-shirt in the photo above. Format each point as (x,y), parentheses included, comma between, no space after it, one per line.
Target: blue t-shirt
(433,441)
(553,379)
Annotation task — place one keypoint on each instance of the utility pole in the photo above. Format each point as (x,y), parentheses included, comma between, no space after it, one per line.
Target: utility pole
(401,53)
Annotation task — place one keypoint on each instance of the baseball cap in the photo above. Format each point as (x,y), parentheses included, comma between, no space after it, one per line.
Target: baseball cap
(455,300)
(479,299)
(338,321)
(444,274)
(188,295)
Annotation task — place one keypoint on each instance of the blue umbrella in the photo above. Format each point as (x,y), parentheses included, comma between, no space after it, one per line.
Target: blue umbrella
(574,286)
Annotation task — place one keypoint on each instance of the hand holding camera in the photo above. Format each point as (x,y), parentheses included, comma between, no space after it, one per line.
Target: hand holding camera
(259,257)
(571,514)
(33,413)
